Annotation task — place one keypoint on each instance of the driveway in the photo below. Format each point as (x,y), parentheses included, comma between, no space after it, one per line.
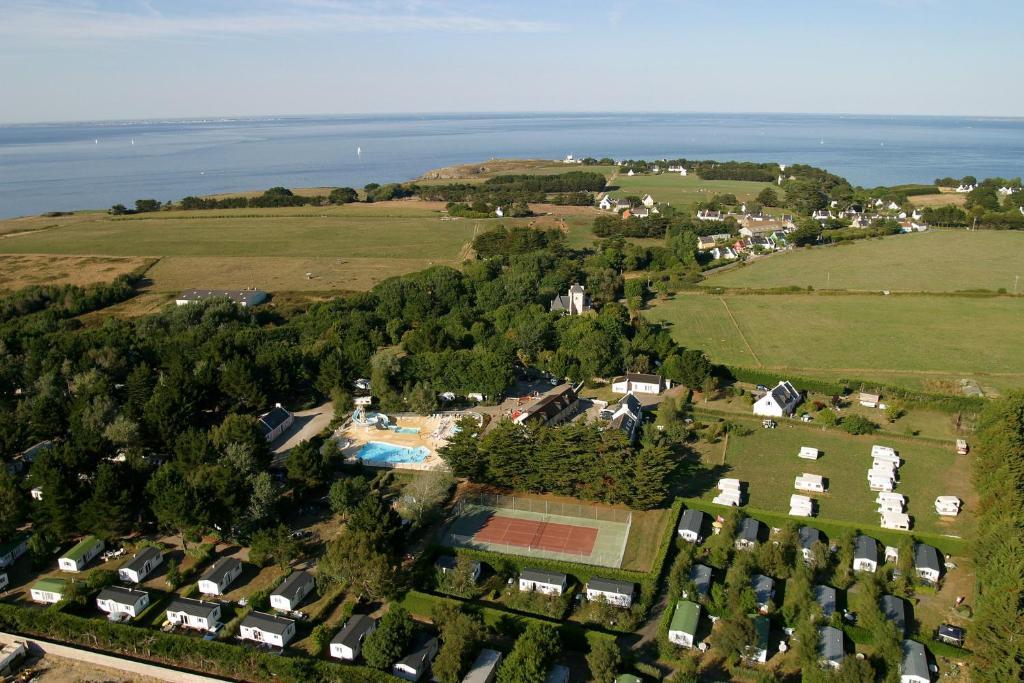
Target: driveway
(308,423)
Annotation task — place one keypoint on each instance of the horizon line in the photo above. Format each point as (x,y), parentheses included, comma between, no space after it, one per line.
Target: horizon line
(538,112)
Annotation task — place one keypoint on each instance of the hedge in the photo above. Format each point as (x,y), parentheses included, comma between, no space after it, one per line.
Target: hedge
(574,636)
(951,404)
(177,651)
(835,528)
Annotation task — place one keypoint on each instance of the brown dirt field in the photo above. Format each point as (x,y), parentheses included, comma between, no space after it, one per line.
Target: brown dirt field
(22,270)
(943,199)
(173,274)
(51,669)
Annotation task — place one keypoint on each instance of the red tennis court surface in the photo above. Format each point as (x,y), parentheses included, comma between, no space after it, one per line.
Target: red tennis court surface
(526,533)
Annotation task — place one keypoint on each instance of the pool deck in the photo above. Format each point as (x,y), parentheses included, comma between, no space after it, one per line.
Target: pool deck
(428,437)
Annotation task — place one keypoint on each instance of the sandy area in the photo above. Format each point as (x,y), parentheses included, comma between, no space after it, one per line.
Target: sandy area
(433,433)
(51,669)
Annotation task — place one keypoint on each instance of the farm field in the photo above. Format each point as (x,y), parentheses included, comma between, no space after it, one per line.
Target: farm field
(766,459)
(23,270)
(941,199)
(933,261)
(909,339)
(679,190)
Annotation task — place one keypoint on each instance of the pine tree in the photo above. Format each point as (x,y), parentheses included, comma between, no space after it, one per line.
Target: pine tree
(653,466)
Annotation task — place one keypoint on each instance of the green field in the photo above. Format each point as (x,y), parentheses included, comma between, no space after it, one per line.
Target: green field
(767,461)
(914,340)
(678,190)
(935,261)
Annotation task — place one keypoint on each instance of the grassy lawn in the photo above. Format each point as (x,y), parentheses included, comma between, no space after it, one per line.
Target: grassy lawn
(934,261)
(678,190)
(23,270)
(645,536)
(767,460)
(902,339)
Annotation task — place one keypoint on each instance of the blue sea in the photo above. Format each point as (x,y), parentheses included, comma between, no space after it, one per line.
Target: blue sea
(63,166)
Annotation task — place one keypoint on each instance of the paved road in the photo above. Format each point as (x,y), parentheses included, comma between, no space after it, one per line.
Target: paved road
(308,423)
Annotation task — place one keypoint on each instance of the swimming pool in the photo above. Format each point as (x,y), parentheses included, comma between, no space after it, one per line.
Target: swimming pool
(381,452)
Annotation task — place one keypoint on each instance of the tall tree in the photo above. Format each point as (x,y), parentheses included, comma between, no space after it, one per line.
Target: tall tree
(386,644)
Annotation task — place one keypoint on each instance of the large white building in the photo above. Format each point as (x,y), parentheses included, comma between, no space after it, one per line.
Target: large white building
(576,302)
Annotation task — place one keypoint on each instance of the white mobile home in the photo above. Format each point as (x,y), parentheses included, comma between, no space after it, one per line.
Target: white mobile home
(895,520)
(197,614)
(292,591)
(808,537)
(618,593)
(48,591)
(880,483)
(813,483)
(414,665)
(947,506)
(548,583)
(801,506)
(885,453)
(484,668)
(217,578)
(81,554)
(118,600)
(140,565)
(914,665)
(691,526)
(927,562)
(348,642)
(12,550)
(808,453)
(683,629)
(266,628)
(865,554)
(728,498)
(728,484)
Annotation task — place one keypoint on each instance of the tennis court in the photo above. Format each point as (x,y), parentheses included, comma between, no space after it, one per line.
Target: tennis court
(535,528)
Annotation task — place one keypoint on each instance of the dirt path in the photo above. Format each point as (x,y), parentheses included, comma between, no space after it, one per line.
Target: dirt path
(740,332)
(308,423)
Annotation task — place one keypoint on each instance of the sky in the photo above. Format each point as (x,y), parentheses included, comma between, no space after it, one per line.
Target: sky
(73,60)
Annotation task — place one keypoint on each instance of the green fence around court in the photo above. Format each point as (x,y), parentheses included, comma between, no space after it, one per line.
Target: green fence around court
(548,507)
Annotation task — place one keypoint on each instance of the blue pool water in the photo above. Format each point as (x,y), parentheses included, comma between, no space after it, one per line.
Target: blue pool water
(378,451)
(407,430)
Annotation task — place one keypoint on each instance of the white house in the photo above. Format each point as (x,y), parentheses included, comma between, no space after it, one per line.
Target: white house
(709,215)
(48,591)
(140,565)
(813,483)
(606,203)
(639,383)
(618,593)
(292,591)
(914,664)
(576,302)
(865,554)
(648,201)
(749,533)
(275,422)
(414,665)
(197,614)
(260,627)
(348,642)
(808,453)
(682,630)
(947,506)
(726,253)
(691,526)
(484,668)
(81,554)
(895,520)
(869,400)
(778,402)
(627,416)
(11,550)
(217,578)
(927,562)
(118,600)
(548,583)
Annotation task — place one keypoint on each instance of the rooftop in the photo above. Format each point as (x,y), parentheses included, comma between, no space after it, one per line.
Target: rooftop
(686,617)
(267,622)
(355,628)
(543,576)
(290,587)
(140,558)
(78,551)
(611,586)
(220,569)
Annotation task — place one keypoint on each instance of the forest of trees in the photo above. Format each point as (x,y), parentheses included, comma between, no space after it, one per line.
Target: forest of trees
(174,395)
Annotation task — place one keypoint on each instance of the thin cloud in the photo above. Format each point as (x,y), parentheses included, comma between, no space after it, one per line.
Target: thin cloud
(83,21)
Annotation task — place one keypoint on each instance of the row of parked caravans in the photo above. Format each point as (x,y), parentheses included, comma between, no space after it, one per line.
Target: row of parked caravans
(730,493)
(882,477)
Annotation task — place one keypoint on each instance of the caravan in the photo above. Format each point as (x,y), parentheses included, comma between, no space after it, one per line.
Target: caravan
(812,483)
(801,506)
(896,520)
(947,506)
